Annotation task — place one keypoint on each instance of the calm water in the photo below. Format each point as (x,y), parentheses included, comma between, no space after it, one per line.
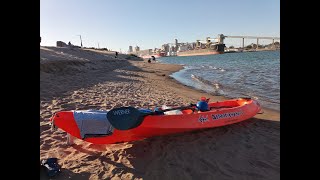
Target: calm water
(254,74)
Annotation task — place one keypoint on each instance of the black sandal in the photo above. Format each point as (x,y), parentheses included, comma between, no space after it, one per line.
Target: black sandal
(51,165)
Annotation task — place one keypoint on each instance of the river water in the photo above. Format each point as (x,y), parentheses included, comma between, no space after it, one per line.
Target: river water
(245,74)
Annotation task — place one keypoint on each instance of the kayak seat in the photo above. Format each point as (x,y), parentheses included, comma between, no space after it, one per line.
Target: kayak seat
(93,123)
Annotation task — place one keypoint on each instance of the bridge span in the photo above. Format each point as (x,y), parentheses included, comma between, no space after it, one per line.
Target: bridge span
(221,37)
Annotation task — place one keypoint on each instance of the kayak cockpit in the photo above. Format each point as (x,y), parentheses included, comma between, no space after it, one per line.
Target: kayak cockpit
(228,104)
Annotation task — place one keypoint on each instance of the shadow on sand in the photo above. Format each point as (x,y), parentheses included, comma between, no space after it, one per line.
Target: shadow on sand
(246,150)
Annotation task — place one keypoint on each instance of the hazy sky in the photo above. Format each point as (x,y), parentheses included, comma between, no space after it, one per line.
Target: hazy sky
(117,24)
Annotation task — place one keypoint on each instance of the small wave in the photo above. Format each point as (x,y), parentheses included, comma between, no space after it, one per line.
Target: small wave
(254,97)
(215,85)
(216,68)
(197,78)
(221,69)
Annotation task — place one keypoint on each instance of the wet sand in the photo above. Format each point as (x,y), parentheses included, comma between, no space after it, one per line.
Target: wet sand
(87,79)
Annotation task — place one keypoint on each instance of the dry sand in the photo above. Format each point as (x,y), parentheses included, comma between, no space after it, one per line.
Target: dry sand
(88,79)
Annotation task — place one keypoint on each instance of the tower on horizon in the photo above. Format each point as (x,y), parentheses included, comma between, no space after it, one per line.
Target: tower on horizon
(137,48)
(130,49)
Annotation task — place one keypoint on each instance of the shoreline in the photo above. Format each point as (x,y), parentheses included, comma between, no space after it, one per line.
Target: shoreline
(268,114)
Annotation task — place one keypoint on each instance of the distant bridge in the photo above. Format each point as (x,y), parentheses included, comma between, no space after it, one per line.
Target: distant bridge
(247,37)
(220,38)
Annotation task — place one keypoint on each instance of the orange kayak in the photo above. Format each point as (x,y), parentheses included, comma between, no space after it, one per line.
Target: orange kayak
(93,126)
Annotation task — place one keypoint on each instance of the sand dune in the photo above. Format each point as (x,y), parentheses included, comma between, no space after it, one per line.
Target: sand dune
(90,79)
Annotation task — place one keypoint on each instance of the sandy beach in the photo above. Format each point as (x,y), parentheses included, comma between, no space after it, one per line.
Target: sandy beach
(81,79)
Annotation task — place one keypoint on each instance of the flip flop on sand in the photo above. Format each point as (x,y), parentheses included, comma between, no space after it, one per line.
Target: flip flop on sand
(51,166)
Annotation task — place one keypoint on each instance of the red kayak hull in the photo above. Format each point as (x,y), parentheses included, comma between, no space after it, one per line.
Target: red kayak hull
(223,113)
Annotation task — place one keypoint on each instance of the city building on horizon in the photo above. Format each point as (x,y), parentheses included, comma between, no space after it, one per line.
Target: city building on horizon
(130,49)
(137,48)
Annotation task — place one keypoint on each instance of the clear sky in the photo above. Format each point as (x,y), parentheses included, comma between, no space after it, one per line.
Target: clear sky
(117,24)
